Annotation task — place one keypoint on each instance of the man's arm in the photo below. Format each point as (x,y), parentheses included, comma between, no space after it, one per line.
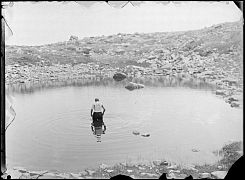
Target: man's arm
(103,109)
(91,112)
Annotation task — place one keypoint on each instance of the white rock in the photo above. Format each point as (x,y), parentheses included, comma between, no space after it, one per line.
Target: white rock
(15,174)
(205,175)
(65,175)
(172,167)
(148,174)
(109,170)
(171,175)
(219,174)
(75,175)
(129,170)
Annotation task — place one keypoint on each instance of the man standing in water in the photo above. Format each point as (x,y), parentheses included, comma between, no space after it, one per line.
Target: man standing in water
(97,111)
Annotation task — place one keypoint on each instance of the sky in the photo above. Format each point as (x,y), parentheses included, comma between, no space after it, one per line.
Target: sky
(50,22)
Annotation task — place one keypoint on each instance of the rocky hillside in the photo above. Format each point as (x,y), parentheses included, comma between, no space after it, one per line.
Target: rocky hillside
(218,45)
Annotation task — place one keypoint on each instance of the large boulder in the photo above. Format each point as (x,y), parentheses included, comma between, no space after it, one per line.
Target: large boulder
(119,76)
(132,86)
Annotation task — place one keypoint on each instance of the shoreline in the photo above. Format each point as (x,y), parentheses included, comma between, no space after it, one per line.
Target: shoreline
(231,152)
(227,88)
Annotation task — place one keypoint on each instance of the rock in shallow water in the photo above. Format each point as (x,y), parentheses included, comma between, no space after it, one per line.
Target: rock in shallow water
(136,132)
(132,86)
(235,104)
(145,135)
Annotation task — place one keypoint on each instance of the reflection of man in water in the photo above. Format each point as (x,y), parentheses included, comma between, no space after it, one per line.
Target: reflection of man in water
(98,129)
(96,111)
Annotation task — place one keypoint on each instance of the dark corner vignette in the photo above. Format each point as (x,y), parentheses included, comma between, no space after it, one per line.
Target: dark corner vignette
(235,171)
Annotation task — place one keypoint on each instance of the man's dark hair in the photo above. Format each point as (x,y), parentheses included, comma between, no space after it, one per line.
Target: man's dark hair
(96,99)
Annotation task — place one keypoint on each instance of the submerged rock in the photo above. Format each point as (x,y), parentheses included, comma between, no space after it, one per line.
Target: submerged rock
(235,104)
(119,76)
(136,132)
(132,86)
(195,150)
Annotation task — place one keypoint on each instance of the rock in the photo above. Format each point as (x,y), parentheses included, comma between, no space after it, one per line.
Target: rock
(230,99)
(205,175)
(120,51)
(21,169)
(195,150)
(174,171)
(33,173)
(83,173)
(148,174)
(123,163)
(220,92)
(172,176)
(141,168)
(181,176)
(129,170)
(73,38)
(230,81)
(133,177)
(151,57)
(103,166)
(49,176)
(74,175)
(219,174)
(132,86)
(90,172)
(235,104)
(86,50)
(109,170)
(172,167)
(119,76)
(164,163)
(136,132)
(157,162)
(15,174)
(240,152)
(65,175)
(145,135)
(189,167)
(220,167)
(25,176)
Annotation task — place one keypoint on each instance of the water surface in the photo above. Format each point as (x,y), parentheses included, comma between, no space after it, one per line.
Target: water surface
(52,128)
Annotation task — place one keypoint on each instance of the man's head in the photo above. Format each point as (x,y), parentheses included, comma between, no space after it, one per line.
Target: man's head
(96,99)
